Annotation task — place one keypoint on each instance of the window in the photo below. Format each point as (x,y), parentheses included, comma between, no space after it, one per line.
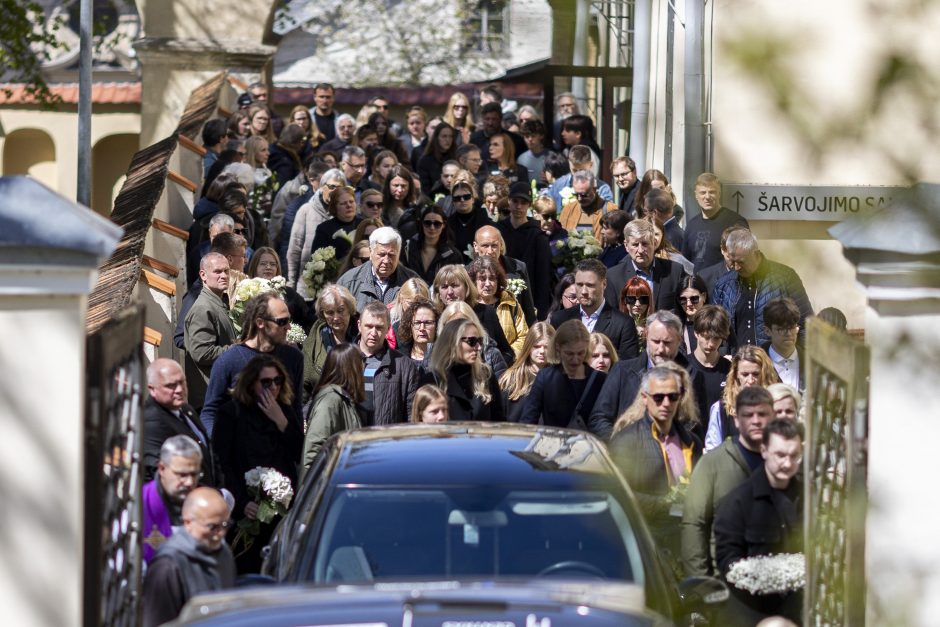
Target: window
(485,26)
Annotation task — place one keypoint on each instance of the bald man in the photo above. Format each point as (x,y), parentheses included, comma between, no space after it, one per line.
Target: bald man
(488,242)
(194,560)
(166,413)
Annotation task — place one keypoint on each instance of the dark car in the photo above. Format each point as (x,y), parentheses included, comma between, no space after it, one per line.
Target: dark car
(472,501)
(444,603)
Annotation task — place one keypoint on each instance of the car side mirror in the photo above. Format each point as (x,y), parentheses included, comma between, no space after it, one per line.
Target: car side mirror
(697,593)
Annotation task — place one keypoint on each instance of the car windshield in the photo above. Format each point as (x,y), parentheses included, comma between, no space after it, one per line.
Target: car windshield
(382,534)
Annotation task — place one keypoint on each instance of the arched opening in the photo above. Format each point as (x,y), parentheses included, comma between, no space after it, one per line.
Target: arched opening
(109,160)
(31,152)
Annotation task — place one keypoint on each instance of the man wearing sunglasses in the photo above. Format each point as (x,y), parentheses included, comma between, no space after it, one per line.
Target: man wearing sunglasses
(264,330)
(662,275)
(656,451)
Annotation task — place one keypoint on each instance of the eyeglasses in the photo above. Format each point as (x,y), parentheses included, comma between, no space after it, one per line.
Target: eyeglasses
(581,195)
(423,323)
(433,224)
(267,382)
(216,528)
(461,106)
(549,217)
(689,299)
(659,398)
(473,341)
(569,299)
(358,168)
(373,205)
(462,197)
(332,186)
(281,322)
(632,300)
(239,231)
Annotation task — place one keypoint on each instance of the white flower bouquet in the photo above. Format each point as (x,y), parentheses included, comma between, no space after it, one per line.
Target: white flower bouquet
(320,270)
(248,289)
(769,574)
(272,492)
(566,253)
(341,234)
(296,335)
(516,286)
(567,195)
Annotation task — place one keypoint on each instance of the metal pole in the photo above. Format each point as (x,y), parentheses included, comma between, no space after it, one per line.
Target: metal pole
(670,96)
(579,53)
(695,148)
(84,104)
(640,100)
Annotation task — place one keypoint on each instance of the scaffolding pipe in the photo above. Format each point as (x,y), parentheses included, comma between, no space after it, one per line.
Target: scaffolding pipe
(695,142)
(640,100)
(582,21)
(83,195)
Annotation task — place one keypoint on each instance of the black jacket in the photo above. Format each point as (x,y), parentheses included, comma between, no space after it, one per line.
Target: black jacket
(553,399)
(462,404)
(481,140)
(160,425)
(283,162)
(712,273)
(323,236)
(530,245)
(429,171)
(394,386)
(490,321)
(618,327)
(464,229)
(667,275)
(446,254)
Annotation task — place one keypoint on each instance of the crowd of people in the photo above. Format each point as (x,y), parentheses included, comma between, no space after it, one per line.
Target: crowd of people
(681,347)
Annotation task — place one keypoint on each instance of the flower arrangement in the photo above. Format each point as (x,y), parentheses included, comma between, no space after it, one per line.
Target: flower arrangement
(341,234)
(263,193)
(567,195)
(296,335)
(566,253)
(273,493)
(516,286)
(248,289)
(769,574)
(320,270)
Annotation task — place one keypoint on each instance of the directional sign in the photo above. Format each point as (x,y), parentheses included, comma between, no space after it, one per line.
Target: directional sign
(805,202)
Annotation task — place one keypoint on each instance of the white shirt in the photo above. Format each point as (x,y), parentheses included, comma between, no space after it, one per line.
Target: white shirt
(590,321)
(787,367)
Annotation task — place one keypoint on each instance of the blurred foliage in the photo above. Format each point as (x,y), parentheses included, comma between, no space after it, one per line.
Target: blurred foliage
(27,39)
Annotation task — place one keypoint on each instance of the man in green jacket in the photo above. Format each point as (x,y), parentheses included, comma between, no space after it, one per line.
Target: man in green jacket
(719,472)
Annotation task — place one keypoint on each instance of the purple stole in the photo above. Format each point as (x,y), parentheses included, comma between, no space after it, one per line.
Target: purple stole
(157,526)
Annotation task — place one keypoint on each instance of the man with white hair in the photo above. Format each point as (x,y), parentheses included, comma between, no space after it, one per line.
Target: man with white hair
(382,276)
(753,282)
(662,275)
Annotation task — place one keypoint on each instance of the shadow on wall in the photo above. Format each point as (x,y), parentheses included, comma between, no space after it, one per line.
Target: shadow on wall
(110,158)
(31,151)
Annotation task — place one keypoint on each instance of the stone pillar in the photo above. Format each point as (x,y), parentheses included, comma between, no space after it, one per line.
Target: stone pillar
(50,249)
(187,42)
(897,260)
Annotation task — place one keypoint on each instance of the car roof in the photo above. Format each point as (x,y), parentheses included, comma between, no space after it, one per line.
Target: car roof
(272,606)
(459,453)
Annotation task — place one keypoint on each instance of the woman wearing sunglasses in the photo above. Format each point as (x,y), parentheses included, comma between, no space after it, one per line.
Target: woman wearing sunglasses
(335,406)
(431,248)
(257,427)
(636,300)
(691,295)
(458,368)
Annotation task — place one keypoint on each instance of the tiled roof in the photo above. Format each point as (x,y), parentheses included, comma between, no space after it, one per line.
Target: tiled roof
(101,93)
(285,94)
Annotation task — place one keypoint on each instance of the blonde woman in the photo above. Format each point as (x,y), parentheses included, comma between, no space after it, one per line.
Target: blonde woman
(462,311)
(516,383)
(601,353)
(458,116)
(260,122)
(459,370)
(453,284)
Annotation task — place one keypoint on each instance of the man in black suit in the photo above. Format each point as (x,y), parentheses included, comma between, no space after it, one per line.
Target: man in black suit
(166,413)
(590,279)
(663,275)
(663,331)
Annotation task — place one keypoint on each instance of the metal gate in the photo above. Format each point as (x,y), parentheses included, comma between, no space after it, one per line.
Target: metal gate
(113,472)
(836,476)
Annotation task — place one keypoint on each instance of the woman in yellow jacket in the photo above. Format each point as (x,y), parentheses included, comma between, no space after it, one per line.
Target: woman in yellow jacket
(492,284)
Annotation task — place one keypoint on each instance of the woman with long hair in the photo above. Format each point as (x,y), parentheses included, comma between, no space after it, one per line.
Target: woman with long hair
(664,248)
(239,125)
(300,116)
(260,122)
(399,198)
(370,204)
(503,160)
(453,284)
(441,147)
(335,406)
(458,368)
(431,248)
(266,264)
(337,231)
(358,255)
(750,366)
(257,428)
(411,290)
(386,137)
(691,295)
(516,383)
(601,353)
(460,310)
(563,394)
(491,283)
(382,163)
(335,311)
(636,300)
(566,294)
(417,331)
(429,405)
(654,179)
(458,116)
(612,237)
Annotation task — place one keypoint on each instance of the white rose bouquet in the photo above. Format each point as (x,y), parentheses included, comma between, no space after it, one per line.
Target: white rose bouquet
(248,289)
(579,245)
(296,335)
(320,270)
(515,287)
(272,492)
(769,574)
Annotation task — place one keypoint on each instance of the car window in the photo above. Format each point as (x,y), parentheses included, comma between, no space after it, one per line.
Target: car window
(380,534)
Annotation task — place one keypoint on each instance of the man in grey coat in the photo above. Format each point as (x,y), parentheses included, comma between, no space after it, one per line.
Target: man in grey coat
(382,276)
(208,329)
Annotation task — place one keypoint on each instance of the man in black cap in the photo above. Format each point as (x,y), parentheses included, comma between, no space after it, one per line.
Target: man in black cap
(526,241)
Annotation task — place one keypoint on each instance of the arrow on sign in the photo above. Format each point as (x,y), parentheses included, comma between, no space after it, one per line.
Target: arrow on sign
(737,197)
